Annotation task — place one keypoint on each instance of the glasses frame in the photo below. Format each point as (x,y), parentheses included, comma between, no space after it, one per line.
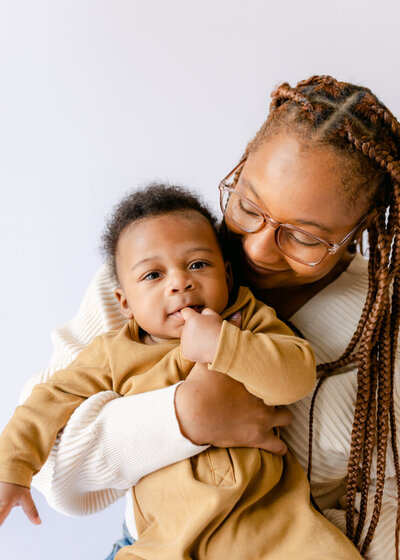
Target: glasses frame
(331,248)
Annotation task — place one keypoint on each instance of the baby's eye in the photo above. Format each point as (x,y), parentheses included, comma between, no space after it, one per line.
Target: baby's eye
(198,265)
(151,275)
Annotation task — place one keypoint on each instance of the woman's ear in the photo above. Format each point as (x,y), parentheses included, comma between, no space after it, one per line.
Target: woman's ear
(229,275)
(358,238)
(370,218)
(368,221)
(123,303)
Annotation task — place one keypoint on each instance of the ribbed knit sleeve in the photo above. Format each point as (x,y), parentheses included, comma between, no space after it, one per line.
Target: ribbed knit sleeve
(328,322)
(109,442)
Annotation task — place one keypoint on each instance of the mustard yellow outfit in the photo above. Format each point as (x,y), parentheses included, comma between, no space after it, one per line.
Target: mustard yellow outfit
(236,503)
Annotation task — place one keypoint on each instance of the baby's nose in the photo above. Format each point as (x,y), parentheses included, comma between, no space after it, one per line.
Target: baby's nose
(181,282)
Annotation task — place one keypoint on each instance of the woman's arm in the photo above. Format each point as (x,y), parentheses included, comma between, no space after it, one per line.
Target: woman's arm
(216,409)
(99,455)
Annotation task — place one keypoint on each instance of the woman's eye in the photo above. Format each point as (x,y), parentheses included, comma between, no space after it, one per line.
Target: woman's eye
(198,265)
(303,239)
(247,208)
(151,276)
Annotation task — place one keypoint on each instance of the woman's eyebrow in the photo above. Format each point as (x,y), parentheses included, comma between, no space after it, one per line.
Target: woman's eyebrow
(250,186)
(322,227)
(317,224)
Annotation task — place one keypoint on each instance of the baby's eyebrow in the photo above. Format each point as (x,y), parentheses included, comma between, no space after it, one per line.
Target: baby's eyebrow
(157,257)
(195,249)
(142,261)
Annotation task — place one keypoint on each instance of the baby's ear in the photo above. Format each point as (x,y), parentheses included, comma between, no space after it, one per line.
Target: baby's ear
(229,275)
(123,303)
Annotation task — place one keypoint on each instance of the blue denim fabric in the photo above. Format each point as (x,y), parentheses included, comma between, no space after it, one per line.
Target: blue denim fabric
(126,540)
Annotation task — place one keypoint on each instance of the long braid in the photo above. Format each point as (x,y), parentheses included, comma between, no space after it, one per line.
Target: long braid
(366,360)
(394,333)
(369,444)
(386,418)
(311,422)
(352,120)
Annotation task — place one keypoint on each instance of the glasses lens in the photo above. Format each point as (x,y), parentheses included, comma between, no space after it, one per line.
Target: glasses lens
(240,211)
(300,246)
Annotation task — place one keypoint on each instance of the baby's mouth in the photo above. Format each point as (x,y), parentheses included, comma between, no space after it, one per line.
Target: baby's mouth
(178,314)
(198,308)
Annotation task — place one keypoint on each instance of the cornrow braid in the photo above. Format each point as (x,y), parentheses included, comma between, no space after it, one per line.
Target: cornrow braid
(285,93)
(388,118)
(353,121)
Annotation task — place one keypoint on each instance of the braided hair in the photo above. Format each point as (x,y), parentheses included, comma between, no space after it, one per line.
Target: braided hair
(353,121)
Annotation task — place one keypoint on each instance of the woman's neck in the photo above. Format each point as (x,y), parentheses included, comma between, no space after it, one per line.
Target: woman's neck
(287,300)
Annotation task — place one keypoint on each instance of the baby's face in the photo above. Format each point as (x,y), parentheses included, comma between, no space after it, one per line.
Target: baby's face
(168,262)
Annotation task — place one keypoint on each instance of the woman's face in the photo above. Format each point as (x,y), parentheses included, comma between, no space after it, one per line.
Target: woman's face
(299,184)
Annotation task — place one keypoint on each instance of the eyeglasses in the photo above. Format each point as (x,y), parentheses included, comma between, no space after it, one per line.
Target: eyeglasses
(293,242)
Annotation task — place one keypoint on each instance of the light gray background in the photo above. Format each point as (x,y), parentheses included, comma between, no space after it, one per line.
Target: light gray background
(97,97)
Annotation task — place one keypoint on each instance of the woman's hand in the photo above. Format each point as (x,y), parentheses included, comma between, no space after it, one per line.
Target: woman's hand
(214,409)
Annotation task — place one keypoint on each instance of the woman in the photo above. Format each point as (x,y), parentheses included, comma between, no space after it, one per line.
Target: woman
(322,169)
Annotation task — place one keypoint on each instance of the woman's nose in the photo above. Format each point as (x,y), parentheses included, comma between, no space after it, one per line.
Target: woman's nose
(261,247)
(180,281)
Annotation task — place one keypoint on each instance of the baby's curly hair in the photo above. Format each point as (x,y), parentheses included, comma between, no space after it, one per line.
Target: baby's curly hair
(152,200)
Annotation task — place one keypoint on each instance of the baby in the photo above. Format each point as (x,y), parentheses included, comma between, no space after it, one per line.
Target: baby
(176,292)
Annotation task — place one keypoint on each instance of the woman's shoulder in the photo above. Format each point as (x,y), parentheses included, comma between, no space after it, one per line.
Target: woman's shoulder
(98,313)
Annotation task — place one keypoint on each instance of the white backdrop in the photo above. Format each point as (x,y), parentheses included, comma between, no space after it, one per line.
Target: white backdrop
(97,97)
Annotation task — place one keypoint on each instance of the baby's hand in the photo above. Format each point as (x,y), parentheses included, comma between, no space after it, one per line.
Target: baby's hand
(200,334)
(15,495)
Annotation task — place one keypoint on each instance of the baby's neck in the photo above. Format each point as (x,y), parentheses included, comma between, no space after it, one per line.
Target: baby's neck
(149,339)
(146,339)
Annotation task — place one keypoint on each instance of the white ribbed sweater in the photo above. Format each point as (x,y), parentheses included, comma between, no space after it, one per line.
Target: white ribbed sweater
(110,442)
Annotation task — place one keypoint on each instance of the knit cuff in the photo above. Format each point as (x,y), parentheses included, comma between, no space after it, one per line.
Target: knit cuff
(140,434)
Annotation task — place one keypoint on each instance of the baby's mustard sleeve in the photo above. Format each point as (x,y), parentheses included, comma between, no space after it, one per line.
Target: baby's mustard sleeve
(266,357)
(27,439)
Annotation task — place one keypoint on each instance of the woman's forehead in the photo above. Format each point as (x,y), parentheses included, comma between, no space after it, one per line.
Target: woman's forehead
(299,183)
(285,157)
